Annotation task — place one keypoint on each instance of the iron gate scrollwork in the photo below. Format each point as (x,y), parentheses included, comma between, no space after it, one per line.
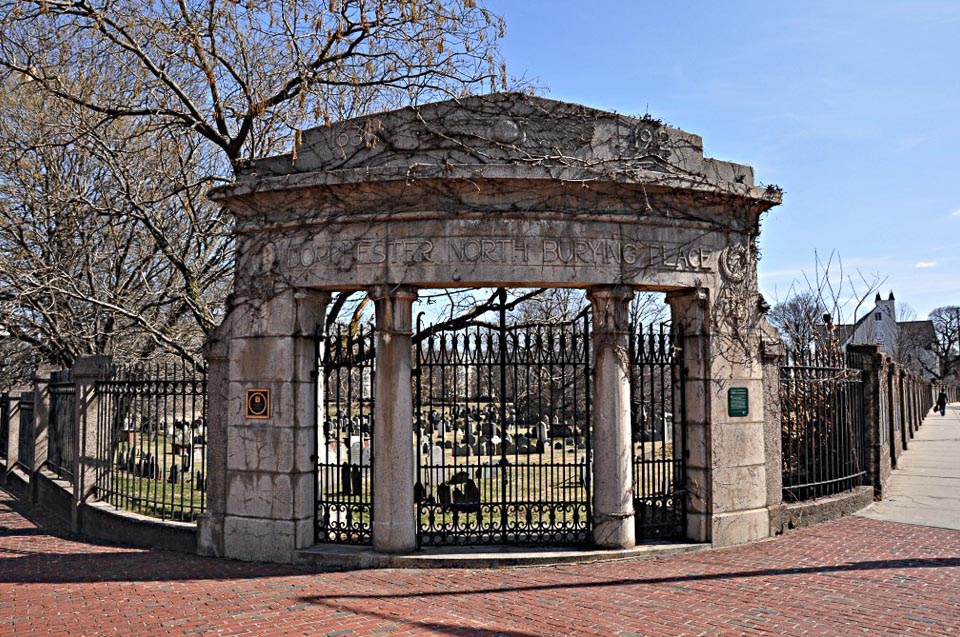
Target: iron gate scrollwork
(658,406)
(503,433)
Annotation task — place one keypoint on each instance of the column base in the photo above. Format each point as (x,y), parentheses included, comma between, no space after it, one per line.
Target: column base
(615,531)
(259,539)
(394,538)
(210,535)
(739,527)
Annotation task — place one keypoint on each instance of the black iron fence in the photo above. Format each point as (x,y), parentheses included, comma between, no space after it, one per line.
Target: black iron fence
(151,443)
(822,425)
(659,431)
(62,429)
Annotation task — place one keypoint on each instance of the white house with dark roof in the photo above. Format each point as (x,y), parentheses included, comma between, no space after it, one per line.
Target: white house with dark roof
(908,342)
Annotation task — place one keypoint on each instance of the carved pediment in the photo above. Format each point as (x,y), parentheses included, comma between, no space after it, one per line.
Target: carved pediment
(511,134)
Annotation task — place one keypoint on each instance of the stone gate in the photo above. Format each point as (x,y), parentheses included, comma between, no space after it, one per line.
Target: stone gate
(503,190)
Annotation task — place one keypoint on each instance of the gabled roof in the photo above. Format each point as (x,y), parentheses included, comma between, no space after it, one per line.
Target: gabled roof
(846,331)
(920,332)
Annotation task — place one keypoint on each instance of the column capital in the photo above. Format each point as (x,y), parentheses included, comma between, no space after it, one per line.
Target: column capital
(613,292)
(311,307)
(686,295)
(611,308)
(400,292)
(393,308)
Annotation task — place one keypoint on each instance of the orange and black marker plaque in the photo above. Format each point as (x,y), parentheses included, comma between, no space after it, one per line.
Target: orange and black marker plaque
(258,404)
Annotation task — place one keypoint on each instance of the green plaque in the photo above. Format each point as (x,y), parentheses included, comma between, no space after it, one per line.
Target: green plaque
(738,402)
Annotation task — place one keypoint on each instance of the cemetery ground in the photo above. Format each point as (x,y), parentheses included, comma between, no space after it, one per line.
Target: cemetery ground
(855,575)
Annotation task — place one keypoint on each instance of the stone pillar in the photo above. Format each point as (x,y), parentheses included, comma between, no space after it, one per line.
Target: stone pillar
(89,430)
(875,425)
(689,311)
(893,411)
(13,428)
(902,403)
(918,403)
(268,499)
(773,353)
(613,513)
(887,421)
(210,524)
(394,527)
(41,423)
(726,464)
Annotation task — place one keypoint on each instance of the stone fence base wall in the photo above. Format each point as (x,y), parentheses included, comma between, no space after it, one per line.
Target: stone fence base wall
(96,519)
(787,517)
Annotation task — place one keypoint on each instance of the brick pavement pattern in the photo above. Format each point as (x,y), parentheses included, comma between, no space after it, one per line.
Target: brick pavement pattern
(848,577)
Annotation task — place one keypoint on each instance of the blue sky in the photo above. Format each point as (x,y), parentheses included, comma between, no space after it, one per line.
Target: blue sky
(852,107)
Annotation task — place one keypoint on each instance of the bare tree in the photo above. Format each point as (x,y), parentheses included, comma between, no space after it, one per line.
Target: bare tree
(108,243)
(800,320)
(119,115)
(946,323)
(821,303)
(248,76)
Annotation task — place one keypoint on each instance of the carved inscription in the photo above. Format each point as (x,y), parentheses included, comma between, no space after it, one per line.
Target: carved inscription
(542,252)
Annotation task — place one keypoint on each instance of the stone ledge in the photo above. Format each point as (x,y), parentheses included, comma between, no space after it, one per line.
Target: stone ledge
(17,481)
(103,521)
(786,517)
(363,557)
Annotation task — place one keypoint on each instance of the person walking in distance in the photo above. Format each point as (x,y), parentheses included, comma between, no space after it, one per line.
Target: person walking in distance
(942,403)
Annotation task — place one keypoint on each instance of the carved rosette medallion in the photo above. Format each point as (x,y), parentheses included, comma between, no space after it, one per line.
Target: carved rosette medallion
(735,262)
(506,131)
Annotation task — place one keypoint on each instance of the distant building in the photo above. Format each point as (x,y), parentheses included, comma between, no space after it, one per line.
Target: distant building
(908,342)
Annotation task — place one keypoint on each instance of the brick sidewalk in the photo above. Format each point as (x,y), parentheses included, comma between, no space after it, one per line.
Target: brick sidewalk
(852,576)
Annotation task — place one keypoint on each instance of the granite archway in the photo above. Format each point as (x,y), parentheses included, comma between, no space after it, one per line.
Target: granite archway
(503,190)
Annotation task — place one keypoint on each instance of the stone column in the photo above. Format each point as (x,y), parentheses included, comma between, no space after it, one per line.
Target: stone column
(41,424)
(394,527)
(13,429)
(613,513)
(89,430)
(887,421)
(210,524)
(689,311)
(878,451)
(893,411)
(773,353)
(917,402)
(726,467)
(268,493)
(902,403)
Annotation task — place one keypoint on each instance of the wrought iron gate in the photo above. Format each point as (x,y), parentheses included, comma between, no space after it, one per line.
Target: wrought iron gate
(345,434)
(659,431)
(503,433)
